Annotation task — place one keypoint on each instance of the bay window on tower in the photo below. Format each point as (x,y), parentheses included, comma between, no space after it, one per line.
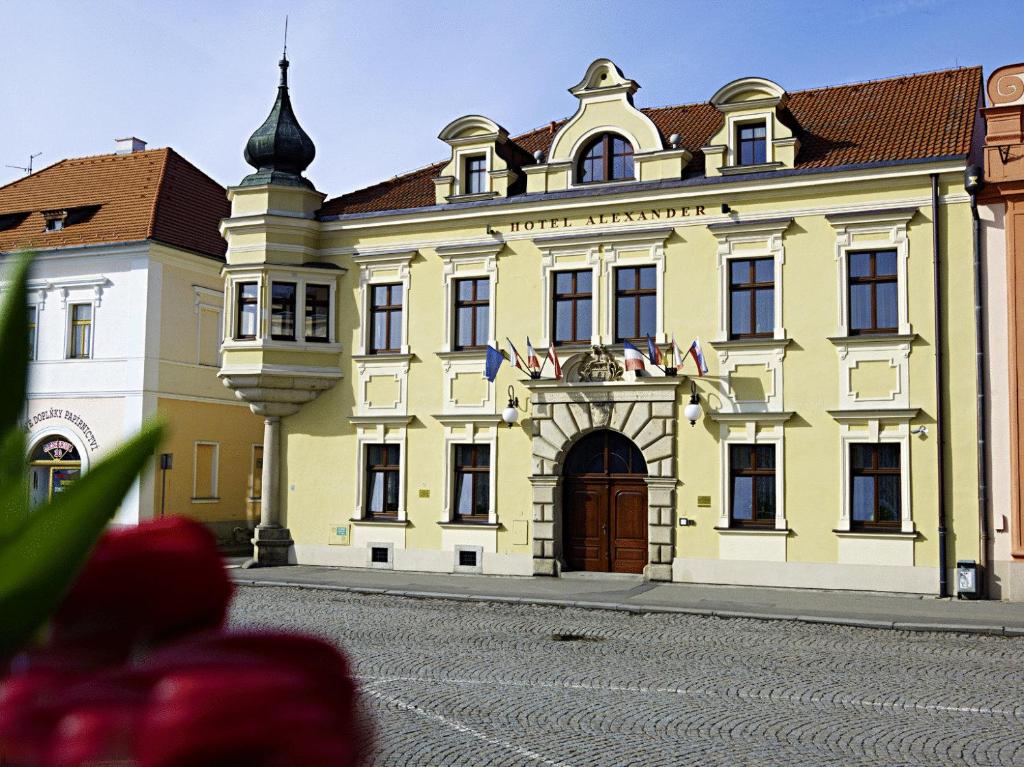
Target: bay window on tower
(246,311)
(318,312)
(282,311)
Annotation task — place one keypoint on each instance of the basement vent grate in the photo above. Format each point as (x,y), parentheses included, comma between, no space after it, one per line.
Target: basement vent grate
(467,558)
(379,554)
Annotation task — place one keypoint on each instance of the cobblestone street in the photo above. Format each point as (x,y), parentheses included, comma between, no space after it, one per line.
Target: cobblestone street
(454,683)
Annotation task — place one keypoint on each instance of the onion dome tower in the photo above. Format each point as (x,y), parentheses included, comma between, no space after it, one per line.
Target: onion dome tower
(280,149)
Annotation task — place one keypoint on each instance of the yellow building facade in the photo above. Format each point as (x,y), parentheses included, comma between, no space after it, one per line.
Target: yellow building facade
(817,249)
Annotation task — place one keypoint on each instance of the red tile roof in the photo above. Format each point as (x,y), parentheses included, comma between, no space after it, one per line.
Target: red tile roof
(904,118)
(154,194)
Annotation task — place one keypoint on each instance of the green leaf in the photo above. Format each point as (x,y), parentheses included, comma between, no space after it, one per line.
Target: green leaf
(14,342)
(13,482)
(44,555)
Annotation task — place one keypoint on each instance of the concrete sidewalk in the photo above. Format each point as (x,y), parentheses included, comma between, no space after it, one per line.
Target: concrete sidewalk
(630,593)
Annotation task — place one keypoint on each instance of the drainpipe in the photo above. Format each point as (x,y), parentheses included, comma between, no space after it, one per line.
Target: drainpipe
(972,182)
(940,439)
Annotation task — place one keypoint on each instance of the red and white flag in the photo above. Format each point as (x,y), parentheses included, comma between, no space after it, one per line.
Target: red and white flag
(556,366)
(677,354)
(634,359)
(532,361)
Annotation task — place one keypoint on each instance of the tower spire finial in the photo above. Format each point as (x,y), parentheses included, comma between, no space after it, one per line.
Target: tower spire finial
(283,63)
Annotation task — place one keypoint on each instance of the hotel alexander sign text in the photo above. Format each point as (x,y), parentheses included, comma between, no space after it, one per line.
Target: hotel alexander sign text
(616,217)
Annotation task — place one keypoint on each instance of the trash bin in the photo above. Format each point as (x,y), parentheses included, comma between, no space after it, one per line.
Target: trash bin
(967,579)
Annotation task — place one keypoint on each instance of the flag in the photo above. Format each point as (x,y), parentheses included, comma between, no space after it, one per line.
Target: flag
(698,357)
(653,352)
(514,354)
(555,364)
(634,359)
(531,357)
(677,354)
(493,362)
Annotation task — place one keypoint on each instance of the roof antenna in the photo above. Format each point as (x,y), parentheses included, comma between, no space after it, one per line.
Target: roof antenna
(28,168)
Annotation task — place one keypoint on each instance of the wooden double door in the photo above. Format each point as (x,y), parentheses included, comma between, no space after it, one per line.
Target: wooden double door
(604,505)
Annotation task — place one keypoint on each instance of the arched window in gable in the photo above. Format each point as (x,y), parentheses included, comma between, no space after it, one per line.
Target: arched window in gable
(608,157)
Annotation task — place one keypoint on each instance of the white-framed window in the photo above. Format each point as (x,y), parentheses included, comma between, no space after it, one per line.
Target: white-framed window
(863,462)
(753,472)
(205,470)
(470,284)
(634,287)
(860,238)
(81,324)
(470,459)
(750,139)
(751,256)
(384,285)
(381,470)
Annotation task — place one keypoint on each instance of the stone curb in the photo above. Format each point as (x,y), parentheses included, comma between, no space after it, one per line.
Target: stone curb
(867,623)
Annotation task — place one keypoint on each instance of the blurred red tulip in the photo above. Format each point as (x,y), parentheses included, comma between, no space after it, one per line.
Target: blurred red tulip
(211,700)
(142,584)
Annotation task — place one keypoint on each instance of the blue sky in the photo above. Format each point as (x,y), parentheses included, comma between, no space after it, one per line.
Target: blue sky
(373,83)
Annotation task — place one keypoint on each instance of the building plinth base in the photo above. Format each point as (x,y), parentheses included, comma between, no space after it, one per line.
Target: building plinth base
(271,547)
(658,573)
(544,566)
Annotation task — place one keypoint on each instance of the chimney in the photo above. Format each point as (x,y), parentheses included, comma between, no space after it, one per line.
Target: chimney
(130,145)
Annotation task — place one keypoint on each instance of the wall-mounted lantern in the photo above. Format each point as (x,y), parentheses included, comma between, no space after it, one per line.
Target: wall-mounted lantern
(511,412)
(693,411)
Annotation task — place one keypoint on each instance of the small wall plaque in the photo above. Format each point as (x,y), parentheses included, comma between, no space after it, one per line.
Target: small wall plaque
(704,501)
(424,492)
(340,535)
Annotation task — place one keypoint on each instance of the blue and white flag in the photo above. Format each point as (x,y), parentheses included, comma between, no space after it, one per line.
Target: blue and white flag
(494,360)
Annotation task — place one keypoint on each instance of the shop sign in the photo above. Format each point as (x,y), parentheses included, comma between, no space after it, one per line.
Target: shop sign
(58,448)
(56,413)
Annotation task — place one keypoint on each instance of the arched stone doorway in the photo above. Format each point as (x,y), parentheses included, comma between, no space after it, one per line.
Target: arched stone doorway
(54,463)
(562,414)
(604,505)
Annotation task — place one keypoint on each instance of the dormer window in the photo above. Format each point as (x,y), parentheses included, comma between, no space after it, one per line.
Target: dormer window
(475,175)
(751,144)
(54,219)
(606,158)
